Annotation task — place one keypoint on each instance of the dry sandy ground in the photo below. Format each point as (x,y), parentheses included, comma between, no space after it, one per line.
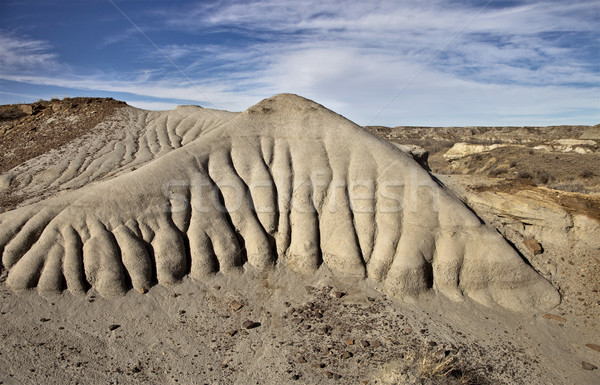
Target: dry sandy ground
(191,333)
(323,330)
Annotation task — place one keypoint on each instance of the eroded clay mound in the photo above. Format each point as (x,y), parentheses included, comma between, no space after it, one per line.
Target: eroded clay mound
(286,183)
(126,140)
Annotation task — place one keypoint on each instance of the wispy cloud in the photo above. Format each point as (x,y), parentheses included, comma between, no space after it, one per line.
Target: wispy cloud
(531,61)
(21,54)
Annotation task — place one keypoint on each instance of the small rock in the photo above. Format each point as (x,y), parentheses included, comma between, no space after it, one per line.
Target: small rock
(297,321)
(432,344)
(407,330)
(232,332)
(554,317)
(375,344)
(364,343)
(337,294)
(296,377)
(250,324)
(587,366)
(44,319)
(181,312)
(331,375)
(593,347)
(347,355)
(174,295)
(142,290)
(113,327)
(217,287)
(349,342)
(236,305)
(26,109)
(533,246)
(301,360)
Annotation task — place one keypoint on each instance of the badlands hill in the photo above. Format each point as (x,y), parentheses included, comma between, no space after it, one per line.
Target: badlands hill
(282,244)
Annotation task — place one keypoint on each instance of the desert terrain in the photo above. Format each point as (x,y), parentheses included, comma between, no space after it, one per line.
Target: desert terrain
(525,311)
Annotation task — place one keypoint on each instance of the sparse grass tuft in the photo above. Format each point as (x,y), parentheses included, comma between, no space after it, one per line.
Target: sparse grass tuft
(496,172)
(587,174)
(10,112)
(440,367)
(524,175)
(542,177)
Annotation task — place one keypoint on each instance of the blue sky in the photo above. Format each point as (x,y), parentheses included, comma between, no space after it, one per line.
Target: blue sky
(388,62)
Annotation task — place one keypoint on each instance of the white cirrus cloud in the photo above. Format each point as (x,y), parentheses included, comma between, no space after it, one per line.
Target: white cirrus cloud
(22,54)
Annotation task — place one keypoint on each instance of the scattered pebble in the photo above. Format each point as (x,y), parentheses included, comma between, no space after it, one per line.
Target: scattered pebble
(331,375)
(113,327)
(236,305)
(533,246)
(337,294)
(44,319)
(301,360)
(554,317)
(587,366)
(364,343)
(349,342)
(232,332)
(593,347)
(250,324)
